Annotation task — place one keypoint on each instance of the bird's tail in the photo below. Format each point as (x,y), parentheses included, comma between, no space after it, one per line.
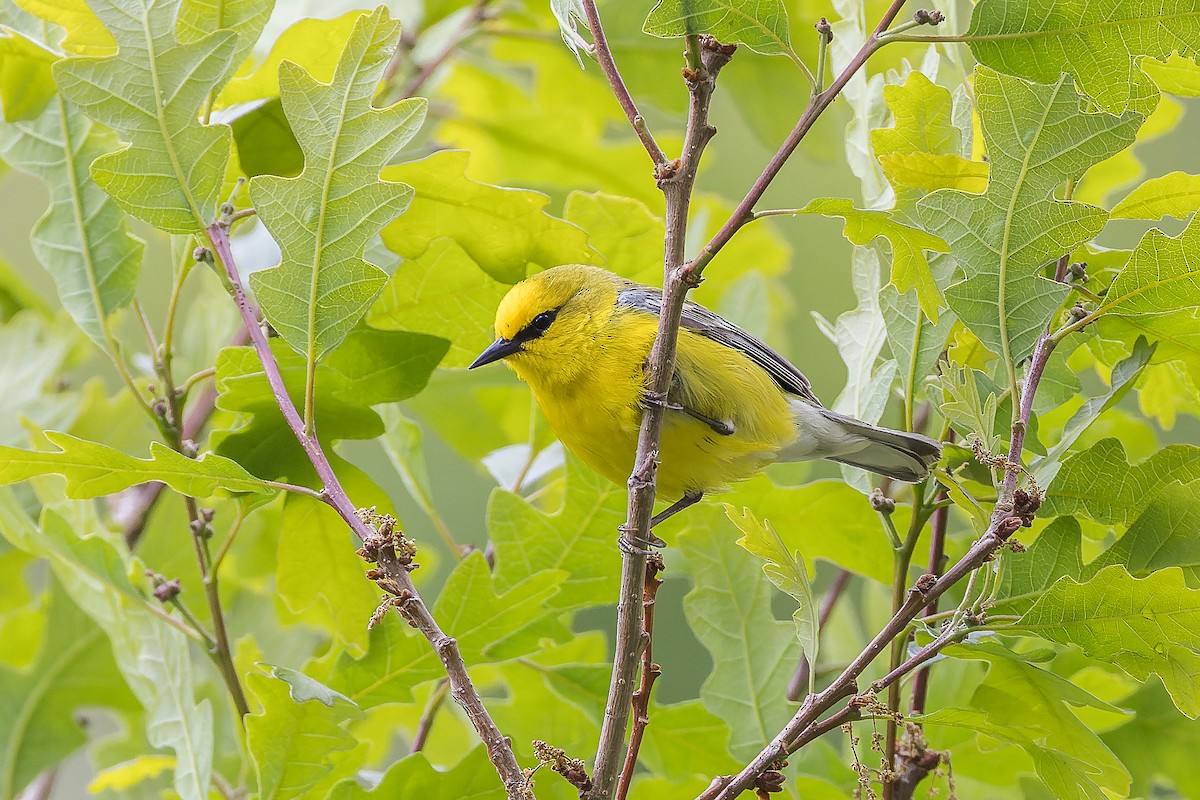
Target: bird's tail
(827,434)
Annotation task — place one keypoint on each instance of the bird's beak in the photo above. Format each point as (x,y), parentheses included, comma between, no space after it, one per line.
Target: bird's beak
(501,348)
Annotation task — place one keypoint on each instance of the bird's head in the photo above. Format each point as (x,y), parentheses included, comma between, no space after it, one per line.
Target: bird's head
(547,324)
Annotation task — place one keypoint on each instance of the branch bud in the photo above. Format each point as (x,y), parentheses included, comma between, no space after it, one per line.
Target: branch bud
(881,502)
(824,30)
(923,16)
(166,591)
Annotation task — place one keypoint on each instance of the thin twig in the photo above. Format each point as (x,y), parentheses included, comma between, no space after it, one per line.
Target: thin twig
(650,673)
(660,366)
(744,211)
(798,685)
(473,18)
(425,724)
(412,607)
(613,76)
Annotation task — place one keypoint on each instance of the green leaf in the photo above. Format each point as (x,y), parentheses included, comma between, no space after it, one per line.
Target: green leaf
(1027,706)
(93,469)
(625,230)
(916,344)
(761,25)
(1157,744)
(442,293)
(1101,483)
(32,357)
(1164,534)
(152,657)
(577,538)
(504,231)
(83,239)
(1124,375)
(1158,295)
(291,738)
(473,778)
(73,669)
(787,571)
(1174,195)
(910,267)
(1054,554)
(929,172)
(685,740)
(1176,74)
(754,654)
(825,519)
(151,93)
(317,565)
(323,218)
(26,85)
(313,44)
(1037,138)
(86,35)
(198,18)
(1099,42)
(1144,626)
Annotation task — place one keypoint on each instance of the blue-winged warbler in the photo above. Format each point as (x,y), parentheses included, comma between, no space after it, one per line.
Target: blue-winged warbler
(580,336)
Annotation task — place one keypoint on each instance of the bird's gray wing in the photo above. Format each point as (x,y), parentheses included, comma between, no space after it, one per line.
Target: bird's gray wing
(699,319)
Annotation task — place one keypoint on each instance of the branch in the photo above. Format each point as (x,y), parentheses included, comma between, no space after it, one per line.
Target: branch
(650,673)
(745,210)
(676,185)
(609,68)
(473,18)
(408,600)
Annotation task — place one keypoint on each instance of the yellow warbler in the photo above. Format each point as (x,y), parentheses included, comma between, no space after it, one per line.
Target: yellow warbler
(580,336)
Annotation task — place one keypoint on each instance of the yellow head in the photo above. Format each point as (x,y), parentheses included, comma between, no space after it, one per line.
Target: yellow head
(547,324)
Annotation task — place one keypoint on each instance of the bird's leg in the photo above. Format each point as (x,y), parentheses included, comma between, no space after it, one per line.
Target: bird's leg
(690,498)
(720,426)
(630,545)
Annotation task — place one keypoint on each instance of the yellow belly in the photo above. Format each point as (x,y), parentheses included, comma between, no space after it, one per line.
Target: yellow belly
(597,416)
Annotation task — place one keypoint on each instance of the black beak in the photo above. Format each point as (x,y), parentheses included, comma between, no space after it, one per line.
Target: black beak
(501,348)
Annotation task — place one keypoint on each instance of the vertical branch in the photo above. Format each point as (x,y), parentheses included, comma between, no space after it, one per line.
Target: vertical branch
(650,673)
(676,183)
(395,575)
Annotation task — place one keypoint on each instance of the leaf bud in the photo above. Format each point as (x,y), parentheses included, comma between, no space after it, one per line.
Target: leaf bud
(166,591)
(824,30)
(203,255)
(881,502)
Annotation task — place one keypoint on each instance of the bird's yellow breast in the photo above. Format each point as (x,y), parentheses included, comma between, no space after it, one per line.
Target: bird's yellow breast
(597,413)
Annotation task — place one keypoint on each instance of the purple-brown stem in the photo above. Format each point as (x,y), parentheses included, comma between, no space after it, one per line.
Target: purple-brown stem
(473,18)
(412,607)
(650,673)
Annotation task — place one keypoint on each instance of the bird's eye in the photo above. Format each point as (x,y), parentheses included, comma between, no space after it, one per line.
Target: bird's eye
(542,321)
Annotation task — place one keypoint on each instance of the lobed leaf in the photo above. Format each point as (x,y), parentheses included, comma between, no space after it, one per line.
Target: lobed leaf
(86,34)
(26,85)
(761,25)
(151,92)
(1144,626)
(93,469)
(323,218)
(1098,42)
(1174,195)
(1036,138)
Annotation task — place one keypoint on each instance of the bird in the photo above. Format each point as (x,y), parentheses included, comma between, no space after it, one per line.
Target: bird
(580,336)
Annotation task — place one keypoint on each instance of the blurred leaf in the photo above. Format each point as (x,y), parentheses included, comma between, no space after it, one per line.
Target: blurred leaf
(823,519)
(1101,483)
(293,735)
(152,657)
(1099,42)
(317,564)
(264,139)
(916,344)
(130,773)
(910,267)
(1157,743)
(26,85)
(32,355)
(1174,195)
(761,25)
(754,655)
(83,239)
(74,668)
(686,740)
(442,293)
(1176,74)
(150,93)
(1028,706)
(1144,626)
(504,231)
(1158,295)
(577,539)
(787,572)
(1166,391)
(1124,375)
(473,778)
(323,218)
(86,35)
(93,469)
(314,45)
(625,230)
(1037,138)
